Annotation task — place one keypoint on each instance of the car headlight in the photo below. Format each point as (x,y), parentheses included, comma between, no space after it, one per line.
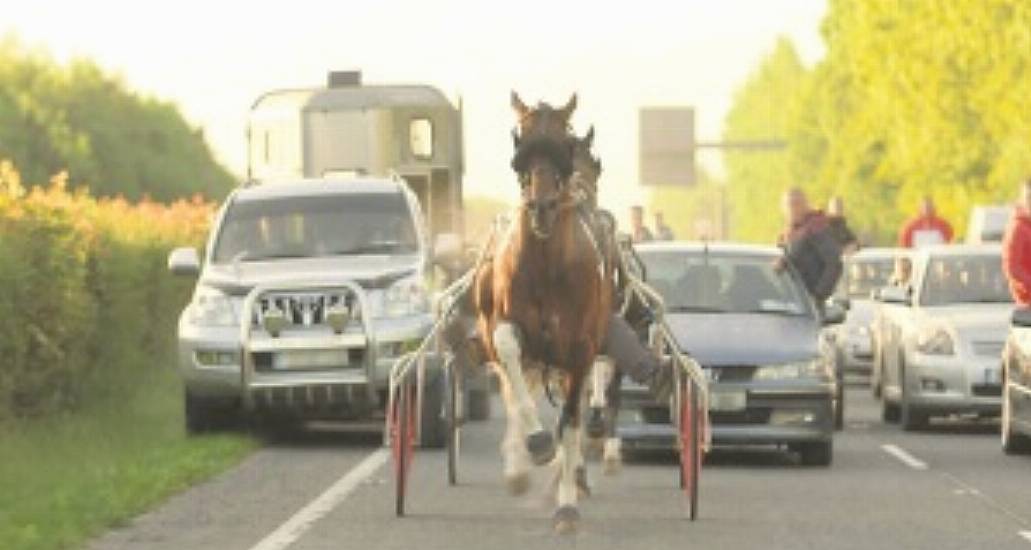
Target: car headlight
(211,308)
(406,297)
(935,341)
(813,368)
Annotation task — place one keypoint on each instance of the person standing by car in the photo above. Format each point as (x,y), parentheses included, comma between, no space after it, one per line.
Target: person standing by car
(810,246)
(638,231)
(1016,249)
(925,229)
(663,232)
(839,226)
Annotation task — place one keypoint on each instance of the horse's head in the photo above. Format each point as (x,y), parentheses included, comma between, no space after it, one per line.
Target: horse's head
(586,166)
(544,161)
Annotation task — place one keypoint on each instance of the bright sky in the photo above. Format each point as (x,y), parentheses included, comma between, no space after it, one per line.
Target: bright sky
(214,58)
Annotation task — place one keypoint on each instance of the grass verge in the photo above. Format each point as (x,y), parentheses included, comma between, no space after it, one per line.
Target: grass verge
(68,477)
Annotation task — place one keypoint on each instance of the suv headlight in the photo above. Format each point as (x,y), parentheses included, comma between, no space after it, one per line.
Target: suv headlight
(935,341)
(813,368)
(406,297)
(211,308)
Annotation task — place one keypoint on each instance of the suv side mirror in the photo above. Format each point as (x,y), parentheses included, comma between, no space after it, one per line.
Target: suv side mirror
(1021,317)
(447,248)
(184,261)
(833,314)
(896,295)
(841,301)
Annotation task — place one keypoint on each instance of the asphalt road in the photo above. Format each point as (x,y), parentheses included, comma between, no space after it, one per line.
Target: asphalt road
(949,487)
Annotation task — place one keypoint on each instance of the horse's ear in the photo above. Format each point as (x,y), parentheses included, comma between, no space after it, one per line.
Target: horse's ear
(518,106)
(589,138)
(567,111)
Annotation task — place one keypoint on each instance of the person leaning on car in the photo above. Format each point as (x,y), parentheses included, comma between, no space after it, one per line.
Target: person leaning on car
(810,246)
(1016,248)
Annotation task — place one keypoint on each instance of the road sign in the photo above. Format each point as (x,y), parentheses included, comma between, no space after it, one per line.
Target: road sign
(666,144)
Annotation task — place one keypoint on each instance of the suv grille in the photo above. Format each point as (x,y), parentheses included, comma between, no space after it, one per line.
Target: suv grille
(305,309)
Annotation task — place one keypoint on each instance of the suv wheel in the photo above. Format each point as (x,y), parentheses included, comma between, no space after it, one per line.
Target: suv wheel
(816,453)
(889,412)
(434,429)
(1013,442)
(204,415)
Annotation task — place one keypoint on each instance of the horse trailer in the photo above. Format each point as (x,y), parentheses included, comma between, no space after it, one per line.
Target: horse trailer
(353,129)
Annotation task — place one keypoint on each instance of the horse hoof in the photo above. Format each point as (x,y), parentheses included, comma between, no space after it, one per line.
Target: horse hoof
(518,484)
(567,519)
(596,423)
(582,485)
(541,446)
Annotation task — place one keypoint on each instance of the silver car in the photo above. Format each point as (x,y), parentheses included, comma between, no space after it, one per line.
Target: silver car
(757,334)
(308,293)
(865,272)
(942,337)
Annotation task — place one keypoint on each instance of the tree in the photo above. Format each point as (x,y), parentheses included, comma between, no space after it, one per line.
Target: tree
(79,119)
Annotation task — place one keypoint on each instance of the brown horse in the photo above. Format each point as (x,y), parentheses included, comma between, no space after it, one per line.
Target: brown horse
(543,303)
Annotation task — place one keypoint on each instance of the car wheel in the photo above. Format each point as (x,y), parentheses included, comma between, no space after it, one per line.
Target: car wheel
(839,407)
(889,412)
(875,376)
(204,415)
(911,418)
(816,453)
(1013,442)
(433,429)
(477,405)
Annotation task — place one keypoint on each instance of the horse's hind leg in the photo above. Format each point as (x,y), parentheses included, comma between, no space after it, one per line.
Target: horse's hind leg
(601,376)
(612,454)
(540,443)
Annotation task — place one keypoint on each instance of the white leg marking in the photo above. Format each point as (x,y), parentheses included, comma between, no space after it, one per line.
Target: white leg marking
(569,457)
(612,457)
(601,375)
(513,447)
(506,342)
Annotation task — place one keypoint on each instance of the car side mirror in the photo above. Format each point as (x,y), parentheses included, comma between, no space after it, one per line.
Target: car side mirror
(833,314)
(842,301)
(447,248)
(184,261)
(1021,317)
(896,295)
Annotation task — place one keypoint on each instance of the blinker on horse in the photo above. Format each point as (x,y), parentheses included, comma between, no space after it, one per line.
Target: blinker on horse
(543,303)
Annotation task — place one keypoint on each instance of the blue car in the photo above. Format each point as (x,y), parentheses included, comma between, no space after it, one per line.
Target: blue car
(759,337)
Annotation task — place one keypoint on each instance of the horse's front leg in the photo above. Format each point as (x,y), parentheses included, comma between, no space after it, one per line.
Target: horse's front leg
(612,454)
(601,376)
(540,443)
(567,514)
(513,448)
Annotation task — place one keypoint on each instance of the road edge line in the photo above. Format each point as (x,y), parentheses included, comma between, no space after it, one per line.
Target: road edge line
(292,529)
(905,457)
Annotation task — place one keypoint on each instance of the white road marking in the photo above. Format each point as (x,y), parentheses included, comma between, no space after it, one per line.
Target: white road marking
(288,533)
(1026,535)
(904,457)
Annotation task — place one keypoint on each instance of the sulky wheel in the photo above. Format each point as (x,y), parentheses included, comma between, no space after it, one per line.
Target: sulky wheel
(689,428)
(402,441)
(454,419)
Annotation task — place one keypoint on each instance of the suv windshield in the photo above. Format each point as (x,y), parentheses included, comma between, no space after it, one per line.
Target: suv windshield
(724,283)
(863,275)
(963,280)
(326,225)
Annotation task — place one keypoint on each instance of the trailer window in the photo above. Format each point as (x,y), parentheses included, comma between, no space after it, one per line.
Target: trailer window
(420,138)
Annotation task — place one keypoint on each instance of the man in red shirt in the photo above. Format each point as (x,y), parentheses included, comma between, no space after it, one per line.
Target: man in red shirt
(1016,248)
(925,229)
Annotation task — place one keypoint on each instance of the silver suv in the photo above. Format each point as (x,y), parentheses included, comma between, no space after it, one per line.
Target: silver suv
(308,292)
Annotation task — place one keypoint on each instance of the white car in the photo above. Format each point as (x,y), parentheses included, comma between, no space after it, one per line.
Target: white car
(942,338)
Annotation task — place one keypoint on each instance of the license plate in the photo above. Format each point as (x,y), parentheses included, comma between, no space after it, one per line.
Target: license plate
(727,401)
(310,359)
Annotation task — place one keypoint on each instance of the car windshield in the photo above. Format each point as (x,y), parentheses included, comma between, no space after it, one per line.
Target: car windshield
(863,275)
(326,225)
(724,283)
(964,280)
